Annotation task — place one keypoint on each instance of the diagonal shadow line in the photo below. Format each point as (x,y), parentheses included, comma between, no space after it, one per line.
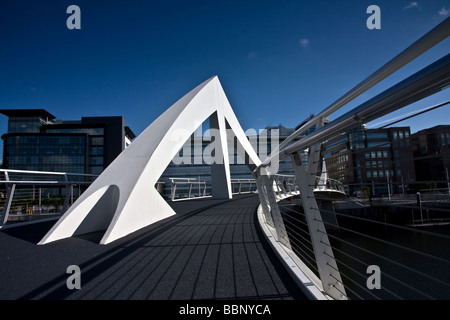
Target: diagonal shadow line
(217,229)
(183,247)
(178,246)
(205,231)
(111,256)
(160,257)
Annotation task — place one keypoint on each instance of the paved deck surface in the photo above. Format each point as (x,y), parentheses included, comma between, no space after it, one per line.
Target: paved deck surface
(212,249)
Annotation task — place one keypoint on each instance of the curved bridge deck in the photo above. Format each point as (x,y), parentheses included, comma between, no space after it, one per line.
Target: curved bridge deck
(212,249)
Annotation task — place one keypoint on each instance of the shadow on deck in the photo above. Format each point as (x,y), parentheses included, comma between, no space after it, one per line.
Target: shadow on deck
(212,249)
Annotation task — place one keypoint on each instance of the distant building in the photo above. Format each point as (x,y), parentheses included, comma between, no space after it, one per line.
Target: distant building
(193,161)
(431,149)
(370,158)
(36,141)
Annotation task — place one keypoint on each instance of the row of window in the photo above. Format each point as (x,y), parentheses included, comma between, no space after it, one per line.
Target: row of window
(96,141)
(341,167)
(377,164)
(89,131)
(382,173)
(64,159)
(445,138)
(24,124)
(44,140)
(377,135)
(402,144)
(342,177)
(376,154)
(337,160)
(400,135)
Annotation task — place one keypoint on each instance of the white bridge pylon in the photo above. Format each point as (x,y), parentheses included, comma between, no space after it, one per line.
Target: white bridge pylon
(123,199)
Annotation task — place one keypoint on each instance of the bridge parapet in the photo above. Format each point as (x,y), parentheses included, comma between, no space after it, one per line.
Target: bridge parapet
(322,276)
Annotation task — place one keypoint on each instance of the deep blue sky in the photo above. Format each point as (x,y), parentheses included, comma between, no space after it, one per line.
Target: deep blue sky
(278,61)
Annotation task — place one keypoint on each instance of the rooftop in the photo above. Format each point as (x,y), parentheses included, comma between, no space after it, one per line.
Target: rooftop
(42,113)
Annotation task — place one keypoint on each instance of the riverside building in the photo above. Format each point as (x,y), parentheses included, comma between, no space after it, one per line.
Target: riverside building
(37,141)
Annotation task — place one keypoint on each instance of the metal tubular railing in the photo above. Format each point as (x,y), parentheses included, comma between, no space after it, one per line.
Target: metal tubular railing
(323,240)
(190,182)
(27,195)
(429,40)
(243,186)
(194,188)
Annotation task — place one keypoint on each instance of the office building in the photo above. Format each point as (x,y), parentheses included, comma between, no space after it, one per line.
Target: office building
(377,160)
(431,148)
(37,141)
(193,161)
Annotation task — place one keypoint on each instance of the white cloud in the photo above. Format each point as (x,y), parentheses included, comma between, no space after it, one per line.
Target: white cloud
(304,42)
(444,12)
(413,4)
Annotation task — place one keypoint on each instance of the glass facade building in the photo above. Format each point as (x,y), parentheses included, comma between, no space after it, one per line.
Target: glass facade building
(36,141)
(193,160)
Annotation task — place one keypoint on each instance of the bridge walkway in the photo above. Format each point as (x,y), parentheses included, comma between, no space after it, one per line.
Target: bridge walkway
(212,249)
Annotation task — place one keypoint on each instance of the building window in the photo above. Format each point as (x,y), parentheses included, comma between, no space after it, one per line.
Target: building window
(369,174)
(96,160)
(375,144)
(96,151)
(97,141)
(377,135)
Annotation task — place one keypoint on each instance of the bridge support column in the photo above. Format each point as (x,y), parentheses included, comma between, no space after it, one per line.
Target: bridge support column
(326,263)
(220,169)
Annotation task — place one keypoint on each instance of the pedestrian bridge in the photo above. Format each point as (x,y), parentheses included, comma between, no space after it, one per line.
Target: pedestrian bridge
(286,241)
(212,249)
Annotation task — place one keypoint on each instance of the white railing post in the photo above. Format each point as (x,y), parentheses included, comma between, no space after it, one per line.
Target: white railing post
(262,194)
(9,197)
(174,188)
(277,219)
(68,193)
(190,189)
(326,264)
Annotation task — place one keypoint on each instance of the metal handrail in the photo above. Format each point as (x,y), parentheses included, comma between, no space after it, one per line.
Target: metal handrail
(426,82)
(29,187)
(429,40)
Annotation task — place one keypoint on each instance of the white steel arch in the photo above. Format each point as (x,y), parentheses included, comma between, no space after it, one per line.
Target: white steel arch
(123,199)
